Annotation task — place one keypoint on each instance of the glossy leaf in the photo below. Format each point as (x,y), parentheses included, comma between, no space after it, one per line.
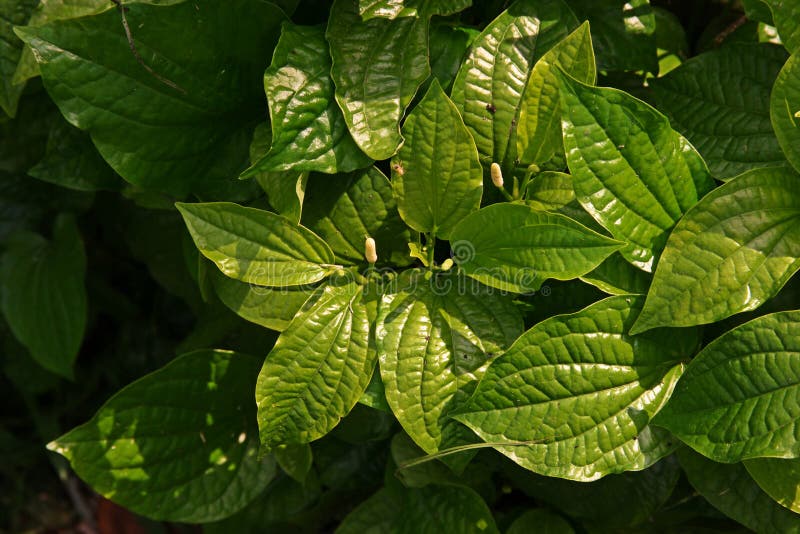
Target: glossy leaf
(540,520)
(616,276)
(632,172)
(720,101)
(731,490)
(318,369)
(549,191)
(43,294)
(270,307)
(12,13)
(207,396)
(435,336)
(515,248)
(378,65)
(779,478)
(730,253)
(255,246)
(623,33)
(784,107)
(539,124)
(344,209)
(786,14)
(391,9)
(147,129)
(489,88)
(740,397)
(308,130)
(437,176)
(583,392)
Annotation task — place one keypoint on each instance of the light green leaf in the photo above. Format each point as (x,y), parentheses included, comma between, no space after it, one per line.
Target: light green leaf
(376,515)
(308,129)
(731,490)
(345,209)
(720,101)
(515,248)
(207,398)
(779,478)
(539,125)
(435,335)
(550,191)
(12,13)
(786,14)
(584,391)
(181,135)
(616,276)
(784,106)
(255,246)
(43,294)
(623,33)
(437,176)
(391,9)
(671,40)
(730,253)
(541,521)
(488,89)
(632,172)
(378,65)
(318,369)
(270,307)
(740,397)
(295,460)
(439,509)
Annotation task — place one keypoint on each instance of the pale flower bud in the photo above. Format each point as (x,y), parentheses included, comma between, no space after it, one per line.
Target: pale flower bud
(497,175)
(370,251)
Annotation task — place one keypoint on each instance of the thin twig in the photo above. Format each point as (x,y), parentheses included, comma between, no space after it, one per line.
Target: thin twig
(122,9)
(732,27)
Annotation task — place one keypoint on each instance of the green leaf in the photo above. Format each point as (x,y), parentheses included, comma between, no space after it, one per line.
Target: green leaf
(515,248)
(207,397)
(270,307)
(584,391)
(255,246)
(448,46)
(308,129)
(193,128)
(438,509)
(295,460)
(549,191)
(541,521)
(616,276)
(12,13)
(539,125)
(779,478)
(391,9)
(378,65)
(758,10)
(489,88)
(345,209)
(738,398)
(786,14)
(318,369)
(731,490)
(623,33)
(720,101)
(671,40)
(435,335)
(730,253)
(43,294)
(784,106)
(437,176)
(632,172)
(72,161)
(376,515)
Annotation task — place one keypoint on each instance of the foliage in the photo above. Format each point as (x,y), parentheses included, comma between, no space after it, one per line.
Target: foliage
(394,265)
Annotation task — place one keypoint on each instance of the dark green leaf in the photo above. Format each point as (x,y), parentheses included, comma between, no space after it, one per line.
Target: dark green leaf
(378,65)
(784,109)
(295,460)
(630,170)
(541,521)
(720,101)
(308,130)
(43,294)
(779,478)
(731,252)
(448,46)
(12,13)
(318,369)
(616,276)
(376,515)
(739,397)
(515,248)
(583,392)
(255,246)
(786,14)
(437,176)
(438,509)
(153,134)
(210,443)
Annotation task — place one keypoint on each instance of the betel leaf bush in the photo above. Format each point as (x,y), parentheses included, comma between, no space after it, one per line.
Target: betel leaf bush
(405,266)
